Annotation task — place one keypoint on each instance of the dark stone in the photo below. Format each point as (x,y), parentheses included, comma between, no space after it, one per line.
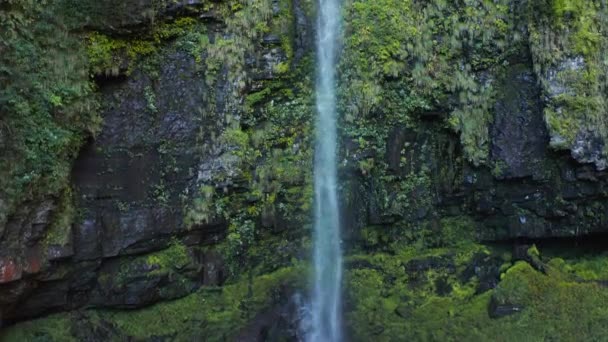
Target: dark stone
(271,39)
(123,17)
(589,148)
(214,270)
(134,283)
(87,239)
(403,311)
(429,263)
(395,145)
(280,322)
(158,144)
(499,310)
(484,267)
(519,135)
(47,297)
(443,286)
(360,264)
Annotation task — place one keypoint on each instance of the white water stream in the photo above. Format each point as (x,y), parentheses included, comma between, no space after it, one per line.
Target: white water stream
(325,310)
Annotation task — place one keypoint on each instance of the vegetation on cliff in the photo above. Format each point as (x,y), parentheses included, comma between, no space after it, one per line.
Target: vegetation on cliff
(47,103)
(422,86)
(212,314)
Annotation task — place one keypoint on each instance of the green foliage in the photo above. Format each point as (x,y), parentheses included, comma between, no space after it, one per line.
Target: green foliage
(246,21)
(568,43)
(47,105)
(267,153)
(272,163)
(404,57)
(108,55)
(582,263)
(451,232)
(255,98)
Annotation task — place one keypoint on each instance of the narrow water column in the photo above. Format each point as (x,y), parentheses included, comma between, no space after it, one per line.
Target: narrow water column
(326,296)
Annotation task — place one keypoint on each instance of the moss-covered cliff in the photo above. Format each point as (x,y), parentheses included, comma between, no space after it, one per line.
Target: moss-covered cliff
(157,157)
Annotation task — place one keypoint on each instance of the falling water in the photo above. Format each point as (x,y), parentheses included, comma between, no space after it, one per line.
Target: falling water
(326,301)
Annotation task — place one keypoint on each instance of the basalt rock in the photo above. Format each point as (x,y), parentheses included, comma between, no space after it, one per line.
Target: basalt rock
(118,238)
(528,190)
(128,245)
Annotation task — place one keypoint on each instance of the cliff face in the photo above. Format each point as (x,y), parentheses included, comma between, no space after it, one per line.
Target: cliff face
(156,179)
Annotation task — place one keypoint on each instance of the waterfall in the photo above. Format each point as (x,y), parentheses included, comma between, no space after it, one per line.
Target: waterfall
(326,295)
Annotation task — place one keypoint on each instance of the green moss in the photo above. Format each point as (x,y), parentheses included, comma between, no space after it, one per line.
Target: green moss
(283,24)
(417,53)
(592,269)
(387,298)
(390,304)
(59,233)
(47,102)
(270,156)
(53,328)
(202,209)
(245,26)
(450,232)
(174,257)
(213,314)
(533,252)
(586,267)
(568,48)
(107,54)
(167,263)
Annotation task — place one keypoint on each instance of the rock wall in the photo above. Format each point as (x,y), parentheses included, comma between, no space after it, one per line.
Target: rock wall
(119,236)
(472,164)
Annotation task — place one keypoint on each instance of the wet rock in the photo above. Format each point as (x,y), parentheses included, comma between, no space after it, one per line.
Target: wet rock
(484,267)
(433,262)
(499,310)
(137,282)
(556,85)
(271,39)
(57,252)
(395,146)
(10,270)
(11,294)
(519,135)
(214,270)
(3,214)
(49,296)
(126,17)
(303,32)
(157,146)
(280,322)
(589,148)
(136,231)
(224,167)
(87,239)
